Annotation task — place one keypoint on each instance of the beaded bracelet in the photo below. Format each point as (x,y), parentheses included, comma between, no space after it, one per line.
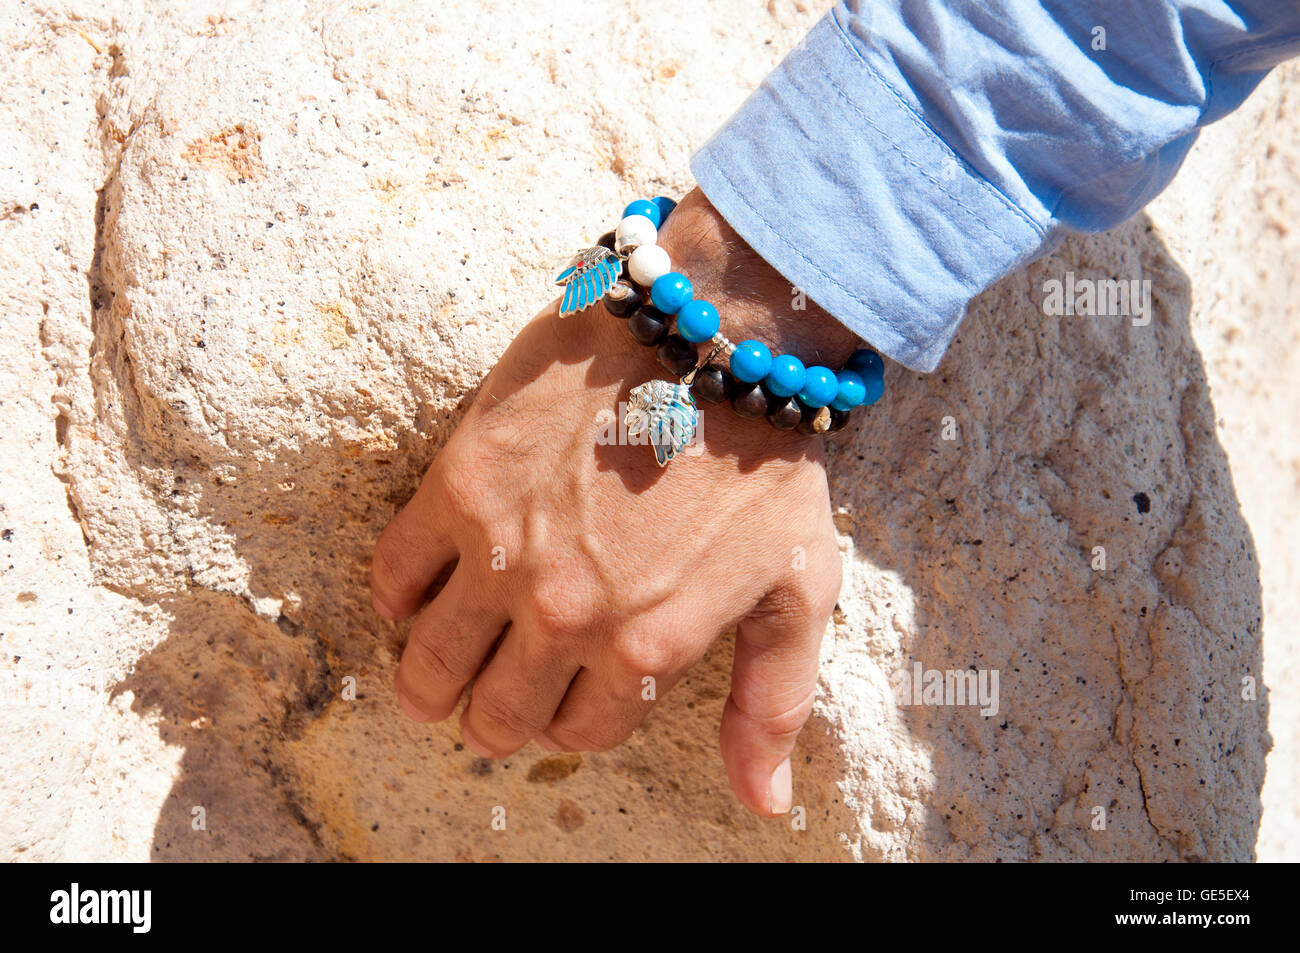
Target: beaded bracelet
(815,400)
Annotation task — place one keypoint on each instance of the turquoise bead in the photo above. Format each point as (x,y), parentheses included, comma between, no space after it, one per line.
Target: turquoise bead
(647,208)
(865,362)
(875,385)
(666,206)
(670,292)
(852,392)
(751,362)
(868,365)
(697,320)
(820,386)
(786,377)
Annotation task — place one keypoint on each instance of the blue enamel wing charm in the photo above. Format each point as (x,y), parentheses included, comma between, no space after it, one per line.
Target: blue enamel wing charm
(590,274)
(666,412)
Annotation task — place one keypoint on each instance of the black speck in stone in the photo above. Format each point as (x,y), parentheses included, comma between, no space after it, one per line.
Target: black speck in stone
(1143,502)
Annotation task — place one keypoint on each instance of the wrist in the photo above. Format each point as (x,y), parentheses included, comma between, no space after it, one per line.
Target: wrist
(736,305)
(754,299)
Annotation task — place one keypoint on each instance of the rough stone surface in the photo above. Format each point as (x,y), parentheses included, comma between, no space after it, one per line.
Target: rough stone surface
(253,265)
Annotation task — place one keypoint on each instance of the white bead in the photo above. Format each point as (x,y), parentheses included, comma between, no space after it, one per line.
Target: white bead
(634,231)
(647,263)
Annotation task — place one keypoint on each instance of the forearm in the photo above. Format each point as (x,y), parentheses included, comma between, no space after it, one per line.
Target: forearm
(758,301)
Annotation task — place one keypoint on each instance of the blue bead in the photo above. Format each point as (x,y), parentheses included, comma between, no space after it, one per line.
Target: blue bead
(751,361)
(866,362)
(853,390)
(666,206)
(647,208)
(820,386)
(875,385)
(697,320)
(670,292)
(786,377)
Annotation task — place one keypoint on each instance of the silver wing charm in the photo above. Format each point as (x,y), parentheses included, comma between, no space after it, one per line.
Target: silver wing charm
(590,274)
(667,413)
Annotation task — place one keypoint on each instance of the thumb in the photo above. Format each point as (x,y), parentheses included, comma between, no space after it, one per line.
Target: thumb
(773,684)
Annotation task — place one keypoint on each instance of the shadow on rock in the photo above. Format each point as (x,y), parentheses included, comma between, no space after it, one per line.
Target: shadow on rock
(1059,510)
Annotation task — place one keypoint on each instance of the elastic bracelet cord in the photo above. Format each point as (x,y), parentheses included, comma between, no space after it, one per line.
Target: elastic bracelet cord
(661,311)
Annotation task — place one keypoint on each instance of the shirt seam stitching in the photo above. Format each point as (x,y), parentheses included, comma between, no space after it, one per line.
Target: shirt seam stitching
(975,175)
(1249,51)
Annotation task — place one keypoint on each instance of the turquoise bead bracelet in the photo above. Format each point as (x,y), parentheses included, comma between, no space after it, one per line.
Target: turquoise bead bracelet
(633,276)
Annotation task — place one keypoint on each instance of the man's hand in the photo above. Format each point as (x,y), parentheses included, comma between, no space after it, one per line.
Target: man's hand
(582,568)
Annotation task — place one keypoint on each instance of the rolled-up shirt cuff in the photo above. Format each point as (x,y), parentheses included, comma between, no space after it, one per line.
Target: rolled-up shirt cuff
(844,189)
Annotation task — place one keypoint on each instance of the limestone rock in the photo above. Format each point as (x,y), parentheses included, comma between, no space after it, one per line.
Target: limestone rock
(258,262)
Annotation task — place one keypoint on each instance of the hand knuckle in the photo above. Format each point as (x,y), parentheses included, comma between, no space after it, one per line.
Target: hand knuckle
(461,487)
(434,661)
(813,596)
(642,656)
(784,720)
(794,601)
(390,568)
(833,575)
(504,717)
(587,737)
(558,611)
(825,600)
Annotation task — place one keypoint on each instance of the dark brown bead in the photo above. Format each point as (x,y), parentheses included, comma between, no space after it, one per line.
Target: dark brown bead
(622,299)
(735,386)
(784,413)
(815,420)
(678,355)
(711,385)
(839,418)
(606,241)
(648,325)
(748,400)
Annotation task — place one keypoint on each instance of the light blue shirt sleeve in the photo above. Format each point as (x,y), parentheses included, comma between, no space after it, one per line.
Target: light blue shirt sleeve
(909,153)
